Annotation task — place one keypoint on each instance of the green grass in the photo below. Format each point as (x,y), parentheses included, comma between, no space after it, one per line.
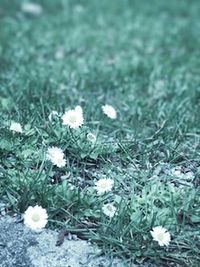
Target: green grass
(142,57)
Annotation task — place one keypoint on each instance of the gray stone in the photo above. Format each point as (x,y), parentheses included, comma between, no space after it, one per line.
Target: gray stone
(20,247)
(14,242)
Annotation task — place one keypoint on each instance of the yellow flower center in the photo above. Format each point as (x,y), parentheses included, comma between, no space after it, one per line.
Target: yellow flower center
(104,185)
(35,217)
(160,236)
(110,208)
(72,118)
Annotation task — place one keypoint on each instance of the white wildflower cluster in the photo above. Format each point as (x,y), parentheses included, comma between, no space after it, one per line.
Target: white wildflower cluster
(72,118)
(36,217)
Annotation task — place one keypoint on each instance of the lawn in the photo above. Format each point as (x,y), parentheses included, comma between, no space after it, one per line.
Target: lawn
(143,59)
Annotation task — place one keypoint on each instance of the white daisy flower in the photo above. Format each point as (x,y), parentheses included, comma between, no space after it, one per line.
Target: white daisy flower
(109,210)
(16,127)
(161,235)
(109,111)
(35,218)
(104,185)
(91,138)
(73,118)
(32,8)
(56,156)
(177,172)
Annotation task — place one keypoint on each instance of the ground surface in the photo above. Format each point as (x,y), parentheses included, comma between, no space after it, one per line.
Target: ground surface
(20,247)
(141,57)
